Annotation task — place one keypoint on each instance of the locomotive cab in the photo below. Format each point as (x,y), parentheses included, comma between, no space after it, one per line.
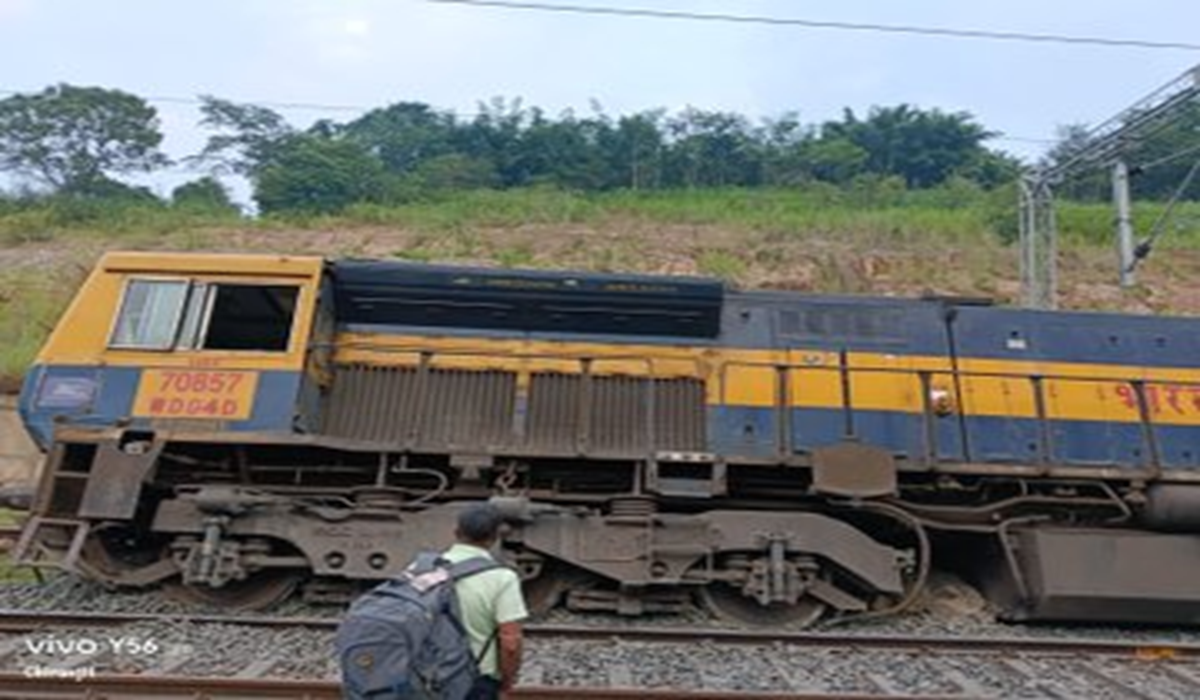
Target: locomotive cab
(209,343)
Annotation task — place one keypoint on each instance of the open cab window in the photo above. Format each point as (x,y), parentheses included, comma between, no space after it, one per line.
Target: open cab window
(168,314)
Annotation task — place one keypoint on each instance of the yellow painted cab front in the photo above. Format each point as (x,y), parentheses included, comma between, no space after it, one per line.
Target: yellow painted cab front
(206,342)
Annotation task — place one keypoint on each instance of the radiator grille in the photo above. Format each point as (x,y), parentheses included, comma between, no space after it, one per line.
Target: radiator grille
(481,411)
(433,409)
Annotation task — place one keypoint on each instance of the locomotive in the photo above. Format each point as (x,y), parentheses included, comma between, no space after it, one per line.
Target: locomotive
(239,429)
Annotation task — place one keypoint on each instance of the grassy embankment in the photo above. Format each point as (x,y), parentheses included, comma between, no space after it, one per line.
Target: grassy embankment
(953,240)
(8,572)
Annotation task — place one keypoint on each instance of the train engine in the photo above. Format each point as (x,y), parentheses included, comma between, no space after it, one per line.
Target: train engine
(243,428)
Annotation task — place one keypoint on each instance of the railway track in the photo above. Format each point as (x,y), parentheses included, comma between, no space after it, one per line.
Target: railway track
(618,662)
(26,621)
(16,686)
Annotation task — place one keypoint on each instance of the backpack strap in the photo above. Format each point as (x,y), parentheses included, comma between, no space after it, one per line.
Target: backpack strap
(424,563)
(472,566)
(488,646)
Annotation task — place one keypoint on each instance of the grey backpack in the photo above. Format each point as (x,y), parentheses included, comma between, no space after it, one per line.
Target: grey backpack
(405,640)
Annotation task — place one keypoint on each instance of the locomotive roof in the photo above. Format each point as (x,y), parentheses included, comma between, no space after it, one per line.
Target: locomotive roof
(391,292)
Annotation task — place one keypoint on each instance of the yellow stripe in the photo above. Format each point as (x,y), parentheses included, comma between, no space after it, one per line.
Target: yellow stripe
(878,381)
(212,264)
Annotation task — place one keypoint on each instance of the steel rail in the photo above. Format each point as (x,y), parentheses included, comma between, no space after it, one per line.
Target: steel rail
(18,621)
(14,686)
(26,621)
(27,685)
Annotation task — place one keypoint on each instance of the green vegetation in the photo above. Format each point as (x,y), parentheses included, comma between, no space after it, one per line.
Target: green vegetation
(9,573)
(30,304)
(874,236)
(900,200)
(72,139)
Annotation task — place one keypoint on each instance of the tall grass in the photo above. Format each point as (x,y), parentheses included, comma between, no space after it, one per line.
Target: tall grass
(31,300)
(804,237)
(1095,225)
(478,209)
(39,221)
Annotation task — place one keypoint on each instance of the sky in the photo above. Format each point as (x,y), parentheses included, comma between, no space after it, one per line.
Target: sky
(371,53)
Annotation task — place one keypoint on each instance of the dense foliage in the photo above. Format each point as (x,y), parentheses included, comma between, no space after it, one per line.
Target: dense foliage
(71,141)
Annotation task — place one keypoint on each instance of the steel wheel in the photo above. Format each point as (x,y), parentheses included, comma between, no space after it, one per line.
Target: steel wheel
(728,603)
(546,591)
(255,593)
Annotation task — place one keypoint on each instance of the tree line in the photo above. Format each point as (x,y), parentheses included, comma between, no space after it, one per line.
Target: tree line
(71,141)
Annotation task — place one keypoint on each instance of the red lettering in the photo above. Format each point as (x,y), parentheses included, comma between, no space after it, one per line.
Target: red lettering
(229,407)
(1153,399)
(175,406)
(1127,396)
(1172,394)
(157,404)
(236,379)
(1160,398)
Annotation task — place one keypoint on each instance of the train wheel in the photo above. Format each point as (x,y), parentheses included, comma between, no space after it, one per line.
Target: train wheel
(547,590)
(255,593)
(730,604)
(118,556)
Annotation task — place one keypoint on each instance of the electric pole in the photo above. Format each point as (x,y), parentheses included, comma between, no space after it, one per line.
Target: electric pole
(1104,147)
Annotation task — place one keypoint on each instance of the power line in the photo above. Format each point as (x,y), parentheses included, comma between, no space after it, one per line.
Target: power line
(1169,158)
(819,24)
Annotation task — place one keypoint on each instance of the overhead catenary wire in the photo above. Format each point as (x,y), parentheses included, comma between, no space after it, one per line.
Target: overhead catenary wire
(1169,158)
(944,32)
(1144,248)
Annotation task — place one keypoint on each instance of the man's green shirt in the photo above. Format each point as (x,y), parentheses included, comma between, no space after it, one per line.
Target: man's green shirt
(486,600)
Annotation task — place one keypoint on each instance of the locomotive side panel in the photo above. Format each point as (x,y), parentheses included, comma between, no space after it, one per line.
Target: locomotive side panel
(235,426)
(1094,390)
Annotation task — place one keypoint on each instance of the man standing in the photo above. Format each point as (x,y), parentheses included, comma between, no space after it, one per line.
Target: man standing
(490,603)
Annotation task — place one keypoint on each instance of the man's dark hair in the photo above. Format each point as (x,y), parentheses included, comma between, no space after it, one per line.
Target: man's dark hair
(479,523)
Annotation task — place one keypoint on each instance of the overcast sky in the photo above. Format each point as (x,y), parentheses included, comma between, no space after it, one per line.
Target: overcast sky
(369,53)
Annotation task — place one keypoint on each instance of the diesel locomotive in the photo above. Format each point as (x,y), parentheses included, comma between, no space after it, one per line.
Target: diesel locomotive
(243,428)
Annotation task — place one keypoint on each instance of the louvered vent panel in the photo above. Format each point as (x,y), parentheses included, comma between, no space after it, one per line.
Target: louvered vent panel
(462,410)
(445,409)
(615,415)
(553,418)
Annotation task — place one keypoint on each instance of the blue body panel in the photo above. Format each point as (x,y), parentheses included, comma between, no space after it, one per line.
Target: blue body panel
(103,396)
(754,432)
(1044,336)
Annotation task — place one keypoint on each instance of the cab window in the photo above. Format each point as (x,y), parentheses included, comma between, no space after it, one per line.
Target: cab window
(178,314)
(150,314)
(250,317)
